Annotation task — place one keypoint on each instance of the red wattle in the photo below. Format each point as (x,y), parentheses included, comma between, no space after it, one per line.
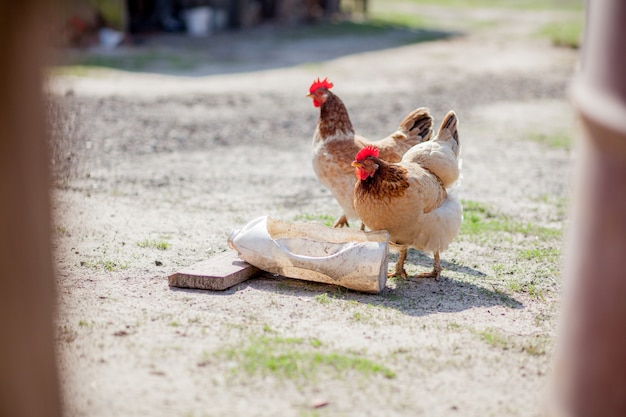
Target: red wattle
(361,174)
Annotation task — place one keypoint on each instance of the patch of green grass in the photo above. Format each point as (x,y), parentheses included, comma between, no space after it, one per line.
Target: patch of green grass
(62,231)
(566,33)
(297,358)
(136,61)
(495,339)
(479,219)
(534,291)
(535,345)
(476,218)
(513,285)
(539,254)
(110,265)
(154,243)
(453,326)
(360,316)
(106,264)
(315,342)
(322,298)
(519,284)
(527,276)
(379,24)
(532,277)
(555,140)
(325,219)
(340,28)
(403,20)
(499,270)
(560,203)
(335,29)
(310,413)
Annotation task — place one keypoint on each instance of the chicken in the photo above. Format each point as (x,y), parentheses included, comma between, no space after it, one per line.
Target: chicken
(410,199)
(335,144)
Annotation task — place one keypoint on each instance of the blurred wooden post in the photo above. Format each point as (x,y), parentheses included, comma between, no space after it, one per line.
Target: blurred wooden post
(28,372)
(590,369)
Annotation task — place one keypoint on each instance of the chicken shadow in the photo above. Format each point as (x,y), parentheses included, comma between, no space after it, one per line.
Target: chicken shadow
(413,296)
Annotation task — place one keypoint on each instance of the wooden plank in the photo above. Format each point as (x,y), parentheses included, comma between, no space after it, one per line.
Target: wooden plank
(218,273)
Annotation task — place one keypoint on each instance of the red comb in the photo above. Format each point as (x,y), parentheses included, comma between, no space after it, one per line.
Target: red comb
(319,84)
(368,151)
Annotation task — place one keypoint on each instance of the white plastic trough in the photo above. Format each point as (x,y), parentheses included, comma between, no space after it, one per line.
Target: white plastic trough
(350,258)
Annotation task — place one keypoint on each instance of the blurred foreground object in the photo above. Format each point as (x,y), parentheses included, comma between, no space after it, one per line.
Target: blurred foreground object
(590,370)
(28,371)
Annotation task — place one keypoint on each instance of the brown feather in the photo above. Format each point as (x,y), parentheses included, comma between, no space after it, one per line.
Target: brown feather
(389,182)
(334,119)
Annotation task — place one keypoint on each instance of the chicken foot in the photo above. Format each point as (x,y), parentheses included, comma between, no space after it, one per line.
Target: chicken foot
(341,222)
(400,265)
(436,272)
(400,271)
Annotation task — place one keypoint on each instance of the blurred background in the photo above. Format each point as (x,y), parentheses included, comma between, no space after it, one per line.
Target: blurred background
(86,20)
(172,36)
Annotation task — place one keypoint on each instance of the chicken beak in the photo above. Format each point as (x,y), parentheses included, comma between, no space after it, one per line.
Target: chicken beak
(356,164)
(309,95)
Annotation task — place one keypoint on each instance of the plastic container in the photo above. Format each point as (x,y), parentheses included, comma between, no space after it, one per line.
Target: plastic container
(198,21)
(350,258)
(109,38)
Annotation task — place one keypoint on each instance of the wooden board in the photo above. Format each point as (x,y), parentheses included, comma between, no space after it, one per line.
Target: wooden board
(218,273)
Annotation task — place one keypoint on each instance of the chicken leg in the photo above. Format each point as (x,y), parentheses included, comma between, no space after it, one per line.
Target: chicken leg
(400,264)
(341,222)
(399,270)
(436,272)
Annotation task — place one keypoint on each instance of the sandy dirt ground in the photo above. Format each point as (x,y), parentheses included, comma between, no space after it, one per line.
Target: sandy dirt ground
(155,170)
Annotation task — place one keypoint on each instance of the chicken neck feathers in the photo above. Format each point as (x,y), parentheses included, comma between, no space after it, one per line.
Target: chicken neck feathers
(334,121)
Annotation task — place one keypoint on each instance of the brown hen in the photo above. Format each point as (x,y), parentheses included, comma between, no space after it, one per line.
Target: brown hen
(410,199)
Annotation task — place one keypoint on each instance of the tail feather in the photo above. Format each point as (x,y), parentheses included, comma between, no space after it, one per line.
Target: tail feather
(449,132)
(417,125)
(440,155)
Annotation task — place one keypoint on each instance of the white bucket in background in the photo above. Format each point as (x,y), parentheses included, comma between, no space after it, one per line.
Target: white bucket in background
(198,21)
(109,38)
